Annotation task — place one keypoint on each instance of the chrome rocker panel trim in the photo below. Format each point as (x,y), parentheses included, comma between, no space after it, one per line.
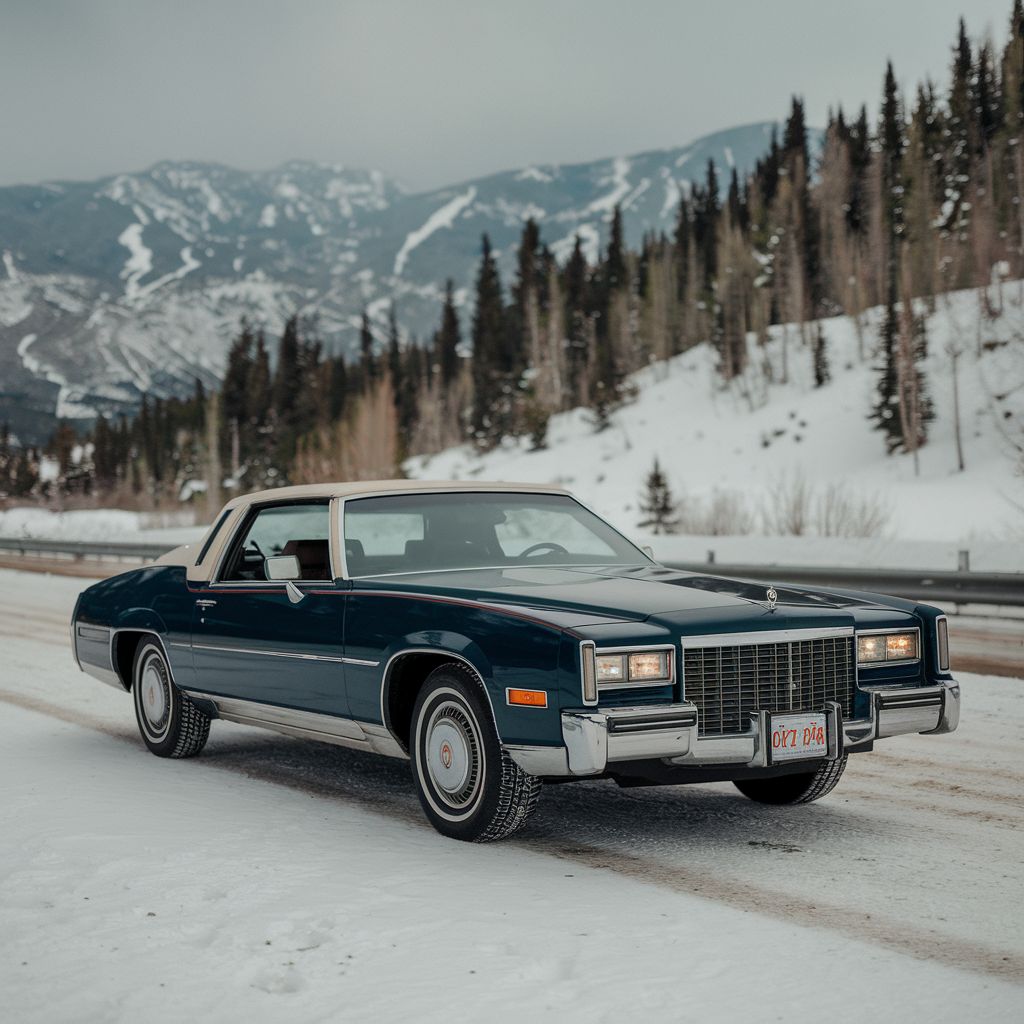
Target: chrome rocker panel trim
(344,732)
(596,739)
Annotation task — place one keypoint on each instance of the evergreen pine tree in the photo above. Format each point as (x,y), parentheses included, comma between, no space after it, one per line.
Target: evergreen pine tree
(921,408)
(287,375)
(960,128)
(681,241)
(234,389)
(286,392)
(260,384)
(403,391)
(706,226)
(886,408)
(986,101)
(891,142)
(395,366)
(611,285)
(577,323)
(338,389)
(491,388)
(615,258)
(805,223)
(657,504)
(448,338)
(367,361)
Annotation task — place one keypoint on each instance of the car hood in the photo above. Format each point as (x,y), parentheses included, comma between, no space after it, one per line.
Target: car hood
(582,595)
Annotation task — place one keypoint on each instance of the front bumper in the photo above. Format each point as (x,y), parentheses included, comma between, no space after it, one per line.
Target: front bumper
(597,739)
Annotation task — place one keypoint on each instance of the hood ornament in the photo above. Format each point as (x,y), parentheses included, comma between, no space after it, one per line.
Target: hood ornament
(772,598)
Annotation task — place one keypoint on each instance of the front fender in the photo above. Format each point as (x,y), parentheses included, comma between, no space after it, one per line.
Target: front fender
(515,725)
(446,642)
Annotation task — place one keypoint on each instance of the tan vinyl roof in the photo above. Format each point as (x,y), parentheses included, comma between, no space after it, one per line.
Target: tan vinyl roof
(357,488)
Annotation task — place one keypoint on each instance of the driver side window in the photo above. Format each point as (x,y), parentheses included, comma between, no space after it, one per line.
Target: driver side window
(300,530)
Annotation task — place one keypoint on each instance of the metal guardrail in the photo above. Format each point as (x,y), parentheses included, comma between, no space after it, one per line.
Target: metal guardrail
(79,549)
(995,588)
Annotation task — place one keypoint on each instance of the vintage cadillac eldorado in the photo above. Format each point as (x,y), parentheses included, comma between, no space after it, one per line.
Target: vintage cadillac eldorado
(501,636)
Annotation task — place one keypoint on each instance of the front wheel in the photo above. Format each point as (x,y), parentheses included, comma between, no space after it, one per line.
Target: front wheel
(801,788)
(469,787)
(170,724)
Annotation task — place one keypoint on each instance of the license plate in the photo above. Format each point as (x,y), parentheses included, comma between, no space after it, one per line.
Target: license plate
(799,737)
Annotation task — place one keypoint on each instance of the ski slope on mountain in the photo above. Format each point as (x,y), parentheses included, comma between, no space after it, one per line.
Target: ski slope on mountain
(752,441)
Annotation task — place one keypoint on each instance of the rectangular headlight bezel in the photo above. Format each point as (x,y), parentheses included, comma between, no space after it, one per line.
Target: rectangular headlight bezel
(882,652)
(629,658)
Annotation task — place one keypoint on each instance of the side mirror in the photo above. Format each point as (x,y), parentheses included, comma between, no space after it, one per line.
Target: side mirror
(648,551)
(282,567)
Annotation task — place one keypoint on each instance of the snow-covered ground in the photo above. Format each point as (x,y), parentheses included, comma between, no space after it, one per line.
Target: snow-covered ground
(846,552)
(752,440)
(105,524)
(277,879)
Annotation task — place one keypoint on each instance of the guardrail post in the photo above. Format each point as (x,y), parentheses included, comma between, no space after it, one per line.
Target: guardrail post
(964,561)
(711,558)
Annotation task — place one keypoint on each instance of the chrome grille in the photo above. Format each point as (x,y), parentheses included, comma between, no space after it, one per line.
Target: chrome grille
(728,683)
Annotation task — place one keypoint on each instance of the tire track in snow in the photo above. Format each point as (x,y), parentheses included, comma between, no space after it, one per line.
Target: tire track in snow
(289,764)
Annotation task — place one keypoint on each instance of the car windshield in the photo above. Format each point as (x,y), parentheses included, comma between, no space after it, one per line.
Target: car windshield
(405,533)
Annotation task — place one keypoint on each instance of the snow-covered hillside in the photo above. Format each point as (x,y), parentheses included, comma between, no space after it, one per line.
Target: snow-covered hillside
(753,442)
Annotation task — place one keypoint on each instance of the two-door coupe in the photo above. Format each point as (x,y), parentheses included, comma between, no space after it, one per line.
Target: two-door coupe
(499,636)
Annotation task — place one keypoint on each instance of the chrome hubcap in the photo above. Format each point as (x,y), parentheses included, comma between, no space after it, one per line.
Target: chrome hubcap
(154,694)
(453,753)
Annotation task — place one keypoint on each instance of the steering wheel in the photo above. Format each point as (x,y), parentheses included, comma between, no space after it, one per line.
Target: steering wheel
(257,549)
(544,545)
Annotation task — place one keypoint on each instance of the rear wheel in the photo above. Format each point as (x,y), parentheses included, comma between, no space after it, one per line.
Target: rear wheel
(802,788)
(170,724)
(469,787)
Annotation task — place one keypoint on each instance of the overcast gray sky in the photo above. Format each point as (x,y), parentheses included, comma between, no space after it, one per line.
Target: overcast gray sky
(434,91)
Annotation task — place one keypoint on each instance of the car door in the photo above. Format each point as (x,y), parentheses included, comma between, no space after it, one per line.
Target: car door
(376,542)
(274,641)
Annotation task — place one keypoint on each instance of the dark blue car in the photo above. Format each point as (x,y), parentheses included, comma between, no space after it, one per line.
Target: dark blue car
(499,636)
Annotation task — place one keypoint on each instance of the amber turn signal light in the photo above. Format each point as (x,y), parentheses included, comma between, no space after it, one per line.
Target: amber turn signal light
(527,698)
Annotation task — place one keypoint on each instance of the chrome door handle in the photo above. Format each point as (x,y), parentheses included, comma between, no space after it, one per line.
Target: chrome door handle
(205,604)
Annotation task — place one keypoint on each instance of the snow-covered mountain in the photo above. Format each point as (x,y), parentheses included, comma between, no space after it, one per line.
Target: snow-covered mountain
(135,283)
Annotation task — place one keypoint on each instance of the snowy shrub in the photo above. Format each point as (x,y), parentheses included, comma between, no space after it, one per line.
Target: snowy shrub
(795,508)
(788,509)
(839,512)
(725,514)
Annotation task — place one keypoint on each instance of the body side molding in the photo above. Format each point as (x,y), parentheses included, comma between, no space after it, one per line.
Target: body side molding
(344,732)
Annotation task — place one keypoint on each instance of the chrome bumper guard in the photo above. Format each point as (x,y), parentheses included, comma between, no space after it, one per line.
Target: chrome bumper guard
(596,739)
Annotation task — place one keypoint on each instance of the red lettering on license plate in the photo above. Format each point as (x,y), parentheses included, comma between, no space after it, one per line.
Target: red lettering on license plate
(795,737)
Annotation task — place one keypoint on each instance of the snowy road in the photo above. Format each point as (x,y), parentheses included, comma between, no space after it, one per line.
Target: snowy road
(276,877)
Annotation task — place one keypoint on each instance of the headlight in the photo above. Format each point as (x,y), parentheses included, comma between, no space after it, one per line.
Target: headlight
(648,665)
(634,667)
(611,668)
(878,647)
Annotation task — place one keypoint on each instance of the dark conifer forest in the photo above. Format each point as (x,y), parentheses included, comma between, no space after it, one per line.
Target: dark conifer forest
(920,196)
